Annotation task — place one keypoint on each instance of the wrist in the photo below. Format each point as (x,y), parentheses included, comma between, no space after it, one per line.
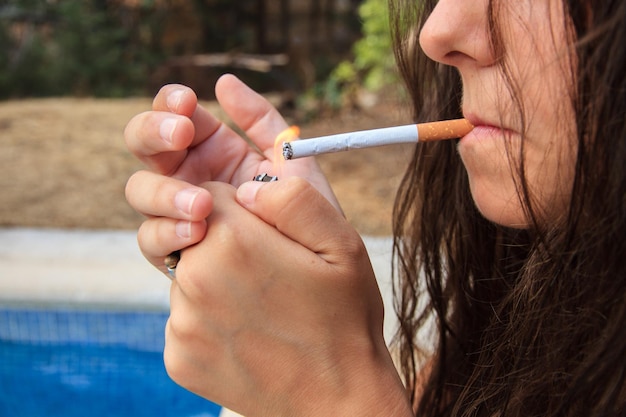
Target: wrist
(373,388)
(384,396)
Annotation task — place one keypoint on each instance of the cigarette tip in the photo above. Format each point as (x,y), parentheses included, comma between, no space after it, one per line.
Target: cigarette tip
(287,151)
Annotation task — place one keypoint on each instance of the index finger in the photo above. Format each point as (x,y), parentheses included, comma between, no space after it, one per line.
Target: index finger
(252,112)
(182,100)
(175,98)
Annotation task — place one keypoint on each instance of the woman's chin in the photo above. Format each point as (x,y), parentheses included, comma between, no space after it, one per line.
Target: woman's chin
(503,210)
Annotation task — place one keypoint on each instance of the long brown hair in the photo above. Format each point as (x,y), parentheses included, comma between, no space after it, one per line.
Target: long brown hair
(528,322)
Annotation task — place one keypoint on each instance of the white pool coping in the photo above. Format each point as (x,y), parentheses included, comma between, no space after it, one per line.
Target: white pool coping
(77,266)
(95,268)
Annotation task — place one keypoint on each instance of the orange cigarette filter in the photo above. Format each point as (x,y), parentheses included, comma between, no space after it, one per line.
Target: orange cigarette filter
(446,129)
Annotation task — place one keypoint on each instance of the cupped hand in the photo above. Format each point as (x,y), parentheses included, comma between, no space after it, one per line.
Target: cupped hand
(277,312)
(182,139)
(185,146)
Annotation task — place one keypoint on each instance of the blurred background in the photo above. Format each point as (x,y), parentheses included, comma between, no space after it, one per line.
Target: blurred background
(81,312)
(116,48)
(73,72)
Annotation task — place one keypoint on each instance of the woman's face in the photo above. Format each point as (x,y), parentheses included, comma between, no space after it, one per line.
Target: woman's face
(536,131)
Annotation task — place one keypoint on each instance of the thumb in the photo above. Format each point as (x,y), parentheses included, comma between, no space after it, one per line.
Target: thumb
(301,213)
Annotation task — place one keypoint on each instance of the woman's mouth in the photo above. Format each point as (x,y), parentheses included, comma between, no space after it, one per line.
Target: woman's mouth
(485,130)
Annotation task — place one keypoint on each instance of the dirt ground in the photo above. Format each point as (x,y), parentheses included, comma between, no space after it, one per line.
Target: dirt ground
(65,165)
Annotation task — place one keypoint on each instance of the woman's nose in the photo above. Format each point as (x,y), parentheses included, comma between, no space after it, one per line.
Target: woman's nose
(457,32)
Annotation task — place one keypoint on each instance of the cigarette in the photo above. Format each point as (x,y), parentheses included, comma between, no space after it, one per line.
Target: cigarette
(423,132)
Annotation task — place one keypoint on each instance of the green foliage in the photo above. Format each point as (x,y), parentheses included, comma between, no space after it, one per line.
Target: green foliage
(70,47)
(111,48)
(373,53)
(373,65)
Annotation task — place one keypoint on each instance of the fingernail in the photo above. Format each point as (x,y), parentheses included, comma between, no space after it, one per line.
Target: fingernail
(166,130)
(184,199)
(246,193)
(174,98)
(183,229)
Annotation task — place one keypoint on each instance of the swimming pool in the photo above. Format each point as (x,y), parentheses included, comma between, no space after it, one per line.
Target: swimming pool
(66,362)
(62,356)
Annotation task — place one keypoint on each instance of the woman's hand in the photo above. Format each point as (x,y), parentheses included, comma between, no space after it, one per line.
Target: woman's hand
(276,312)
(182,140)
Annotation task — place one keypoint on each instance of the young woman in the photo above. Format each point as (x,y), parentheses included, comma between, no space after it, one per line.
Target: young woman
(510,242)
(519,231)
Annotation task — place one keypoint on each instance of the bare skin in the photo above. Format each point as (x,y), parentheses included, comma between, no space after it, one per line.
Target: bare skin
(537,54)
(275,310)
(181,140)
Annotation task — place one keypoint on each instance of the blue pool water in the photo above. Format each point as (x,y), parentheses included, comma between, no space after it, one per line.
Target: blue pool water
(66,363)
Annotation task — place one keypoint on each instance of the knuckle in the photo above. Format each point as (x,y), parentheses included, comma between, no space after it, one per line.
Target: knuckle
(143,234)
(147,238)
(224,237)
(173,364)
(180,327)
(155,237)
(297,186)
(132,129)
(133,189)
(291,194)
(131,186)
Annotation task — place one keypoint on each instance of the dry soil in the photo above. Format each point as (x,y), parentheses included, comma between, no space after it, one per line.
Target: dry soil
(65,165)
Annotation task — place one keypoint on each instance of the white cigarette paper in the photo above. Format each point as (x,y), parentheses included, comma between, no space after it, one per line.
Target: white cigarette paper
(413,133)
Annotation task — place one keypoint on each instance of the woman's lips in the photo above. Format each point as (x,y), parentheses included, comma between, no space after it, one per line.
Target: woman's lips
(484,130)
(483,134)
